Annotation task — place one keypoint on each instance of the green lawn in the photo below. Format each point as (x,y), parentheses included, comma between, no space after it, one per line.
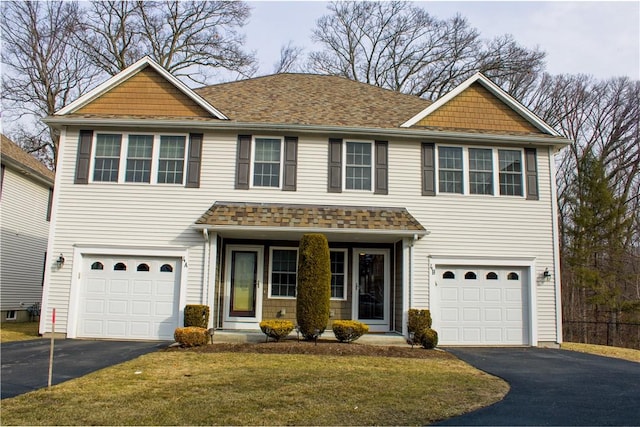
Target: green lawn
(10,331)
(187,388)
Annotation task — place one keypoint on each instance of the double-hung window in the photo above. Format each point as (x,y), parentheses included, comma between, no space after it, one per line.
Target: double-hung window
(284,272)
(480,171)
(358,166)
(267,161)
(107,157)
(171,160)
(450,169)
(510,162)
(139,155)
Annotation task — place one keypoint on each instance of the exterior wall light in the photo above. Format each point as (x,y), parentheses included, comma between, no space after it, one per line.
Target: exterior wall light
(546,274)
(60,261)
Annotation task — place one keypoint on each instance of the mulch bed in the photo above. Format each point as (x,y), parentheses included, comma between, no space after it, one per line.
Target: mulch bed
(331,348)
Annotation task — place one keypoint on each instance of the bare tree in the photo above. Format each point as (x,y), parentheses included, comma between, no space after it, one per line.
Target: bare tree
(289,59)
(401,47)
(190,39)
(42,70)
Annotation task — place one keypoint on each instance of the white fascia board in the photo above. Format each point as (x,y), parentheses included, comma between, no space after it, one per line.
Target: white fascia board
(129,72)
(222,228)
(493,88)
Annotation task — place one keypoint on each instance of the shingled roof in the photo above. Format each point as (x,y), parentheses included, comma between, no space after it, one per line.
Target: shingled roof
(19,159)
(310,99)
(273,215)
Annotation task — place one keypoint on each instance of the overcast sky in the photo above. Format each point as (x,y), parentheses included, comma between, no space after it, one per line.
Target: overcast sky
(597,38)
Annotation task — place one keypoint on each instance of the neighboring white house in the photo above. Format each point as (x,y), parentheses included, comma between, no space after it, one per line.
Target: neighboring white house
(25,208)
(167,196)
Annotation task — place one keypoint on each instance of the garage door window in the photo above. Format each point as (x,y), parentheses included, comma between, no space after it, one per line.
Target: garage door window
(492,276)
(513,276)
(448,275)
(143,267)
(470,275)
(120,267)
(97,266)
(166,268)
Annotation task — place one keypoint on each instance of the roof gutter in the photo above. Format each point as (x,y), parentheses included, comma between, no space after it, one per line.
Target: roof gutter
(409,133)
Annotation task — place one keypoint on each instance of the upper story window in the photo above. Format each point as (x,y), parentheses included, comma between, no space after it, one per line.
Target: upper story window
(450,169)
(155,159)
(139,156)
(171,160)
(106,164)
(480,171)
(267,161)
(358,166)
(510,172)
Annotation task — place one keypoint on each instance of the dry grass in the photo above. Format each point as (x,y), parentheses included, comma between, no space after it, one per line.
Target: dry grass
(603,350)
(193,388)
(10,331)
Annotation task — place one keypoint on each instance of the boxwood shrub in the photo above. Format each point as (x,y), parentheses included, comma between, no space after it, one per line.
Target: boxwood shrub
(191,336)
(196,315)
(314,285)
(349,330)
(276,329)
(428,338)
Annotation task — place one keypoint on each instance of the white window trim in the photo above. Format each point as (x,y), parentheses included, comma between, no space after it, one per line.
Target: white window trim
(346,274)
(372,166)
(270,294)
(11,315)
(124,148)
(466,188)
(253,160)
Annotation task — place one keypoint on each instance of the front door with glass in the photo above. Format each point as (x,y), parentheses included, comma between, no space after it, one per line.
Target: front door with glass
(243,300)
(371,281)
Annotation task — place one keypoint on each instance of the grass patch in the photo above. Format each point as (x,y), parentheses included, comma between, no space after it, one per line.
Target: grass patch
(189,388)
(22,331)
(603,350)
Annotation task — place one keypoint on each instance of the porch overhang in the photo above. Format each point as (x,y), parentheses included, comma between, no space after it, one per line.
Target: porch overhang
(272,221)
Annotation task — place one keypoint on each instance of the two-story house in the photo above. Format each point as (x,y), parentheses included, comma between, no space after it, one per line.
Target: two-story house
(26,189)
(168,196)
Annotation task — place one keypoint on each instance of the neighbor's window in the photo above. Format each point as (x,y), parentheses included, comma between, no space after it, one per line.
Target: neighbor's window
(510,172)
(107,157)
(171,160)
(284,267)
(358,166)
(338,274)
(480,171)
(266,162)
(450,169)
(139,155)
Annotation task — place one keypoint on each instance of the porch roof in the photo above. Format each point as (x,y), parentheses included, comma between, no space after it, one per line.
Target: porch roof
(288,221)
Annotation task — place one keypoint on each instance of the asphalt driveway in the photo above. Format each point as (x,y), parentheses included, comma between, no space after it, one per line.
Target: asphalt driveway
(25,364)
(555,388)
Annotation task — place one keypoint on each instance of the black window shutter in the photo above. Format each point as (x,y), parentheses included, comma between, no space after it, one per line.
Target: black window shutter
(334,184)
(428,169)
(194,160)
(243,162)
(531,168)
(290,163)
(83,159)
(382,168)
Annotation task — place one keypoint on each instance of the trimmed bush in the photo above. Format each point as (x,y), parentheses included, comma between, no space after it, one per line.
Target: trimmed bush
(191,336)
(428,338)
(349,330)
(314,285)
(276,329)
(418,320)
(196,315)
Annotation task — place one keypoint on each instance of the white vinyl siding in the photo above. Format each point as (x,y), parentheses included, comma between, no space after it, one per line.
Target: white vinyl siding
(25,230)
(138,215)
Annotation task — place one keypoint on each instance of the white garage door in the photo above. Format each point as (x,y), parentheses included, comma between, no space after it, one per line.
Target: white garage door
(481,306)
(129,298)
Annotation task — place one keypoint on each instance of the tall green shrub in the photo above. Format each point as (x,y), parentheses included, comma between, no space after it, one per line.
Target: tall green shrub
(314,285)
